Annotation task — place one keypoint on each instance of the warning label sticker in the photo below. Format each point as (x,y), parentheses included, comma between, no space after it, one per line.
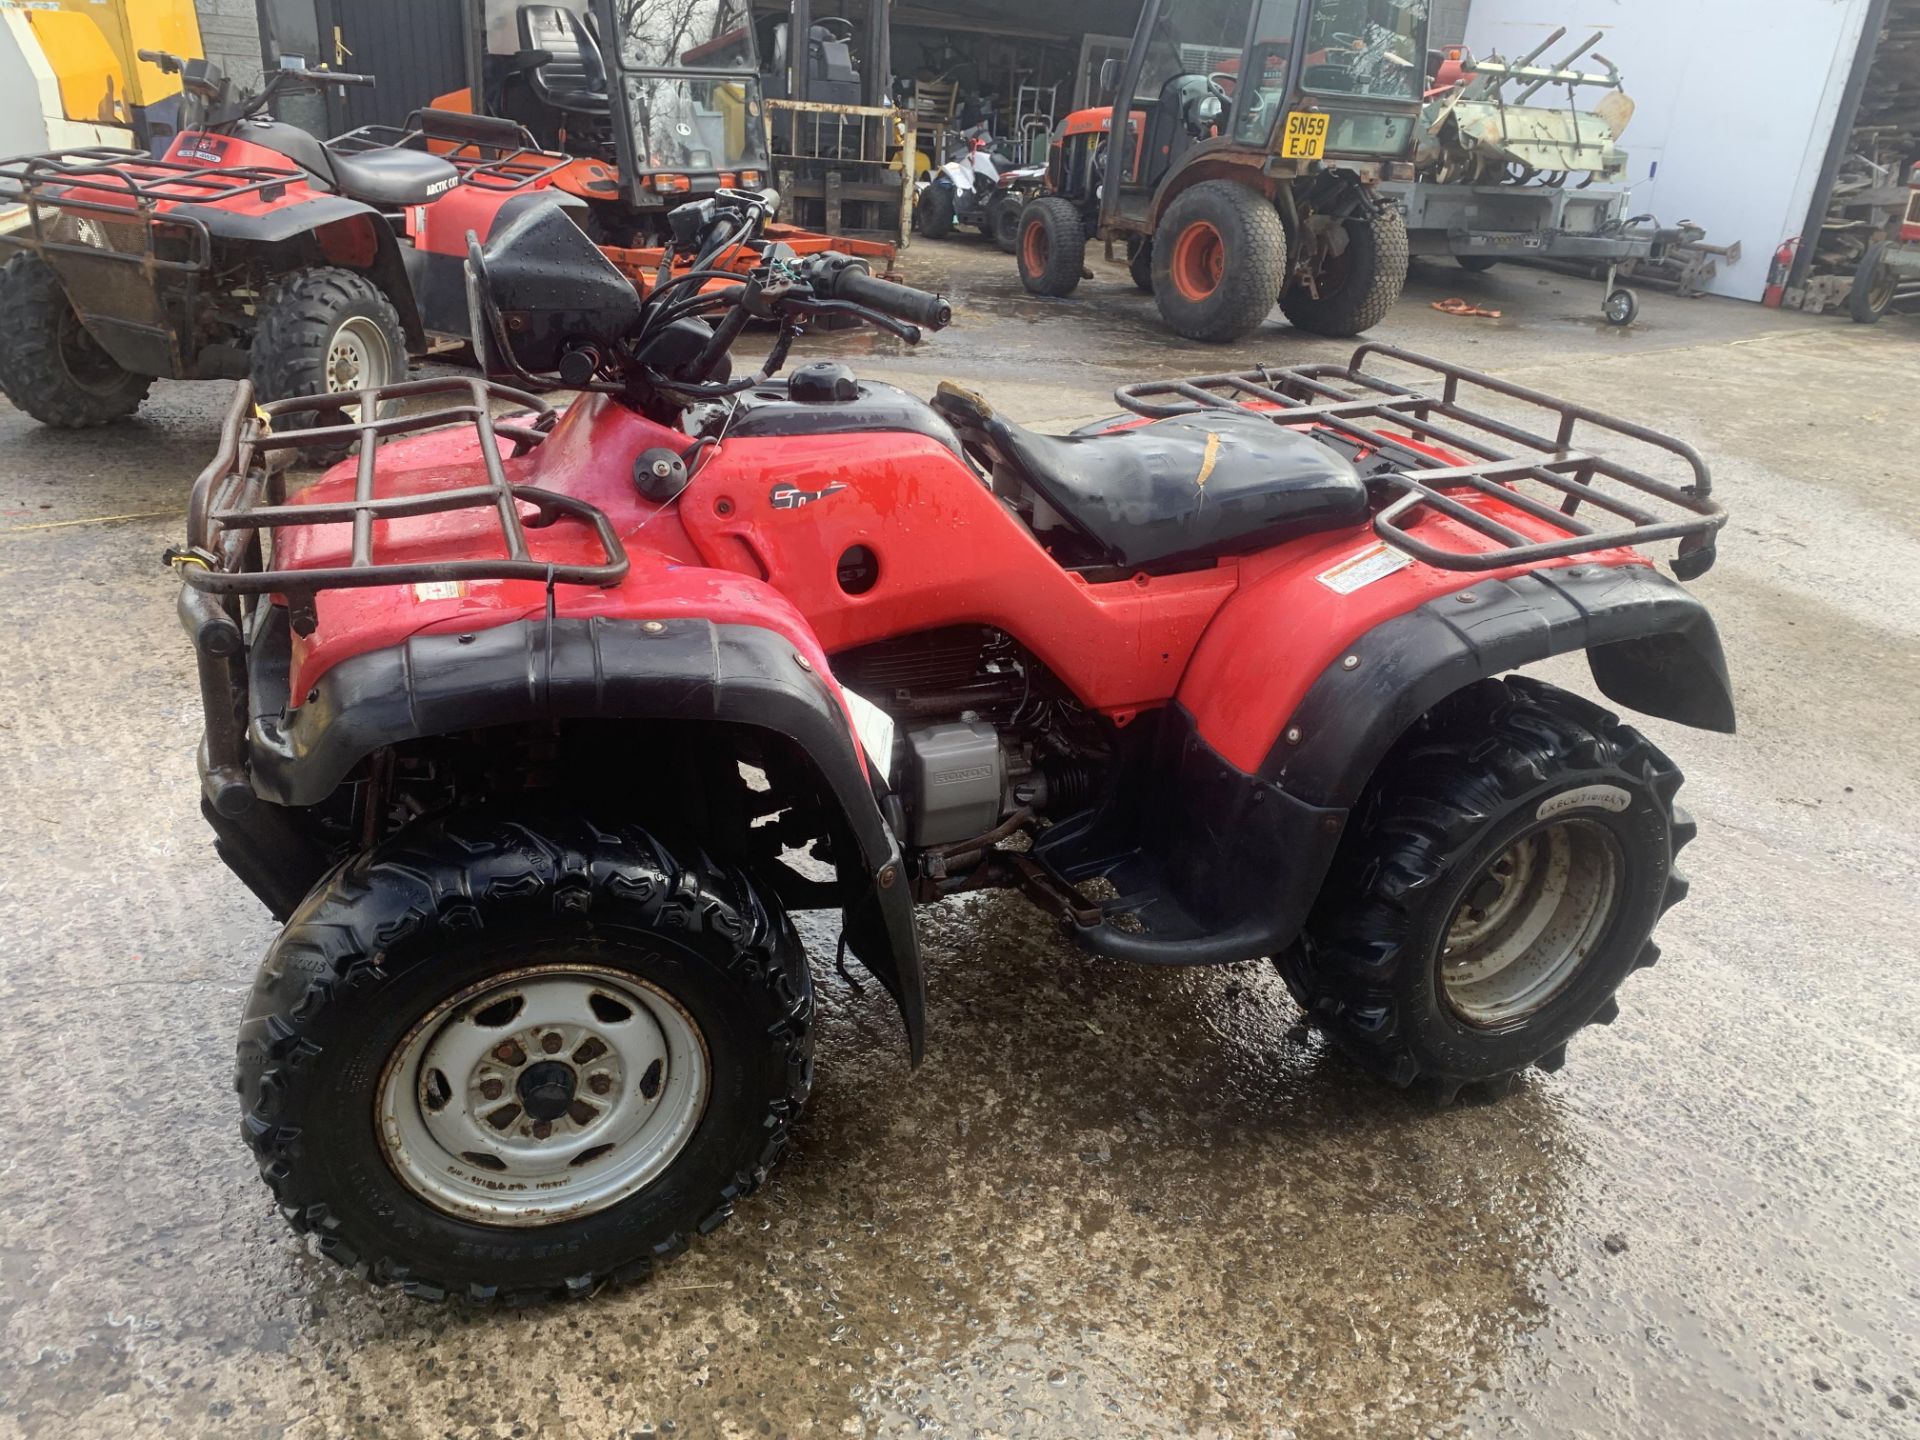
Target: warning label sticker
(1376,562)
(440,590)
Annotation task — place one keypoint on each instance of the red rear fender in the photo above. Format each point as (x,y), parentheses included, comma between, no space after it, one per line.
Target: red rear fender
(1310,673)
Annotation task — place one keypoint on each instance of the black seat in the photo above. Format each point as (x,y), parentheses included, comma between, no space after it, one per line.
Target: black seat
(1167,135)
(392,178)
(1186,488)
(574,77)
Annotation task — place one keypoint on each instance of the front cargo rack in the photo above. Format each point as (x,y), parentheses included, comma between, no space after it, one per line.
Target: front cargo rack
(1376,416)
(242,493)
(241,496)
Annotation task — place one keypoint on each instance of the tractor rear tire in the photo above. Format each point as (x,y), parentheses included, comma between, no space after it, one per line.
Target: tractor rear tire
(324,331)
(936,212)
(1053,246)
(1219,259)
(1140,262)
(1874,286)
(1360,285)
(49,365)
(448,1024)
(1499,880)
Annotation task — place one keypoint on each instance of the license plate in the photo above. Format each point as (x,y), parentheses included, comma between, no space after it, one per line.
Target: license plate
(1304,137)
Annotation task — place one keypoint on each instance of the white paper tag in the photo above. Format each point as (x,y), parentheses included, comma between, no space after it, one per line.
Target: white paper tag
(875,729)
(1376,562)
(440,590)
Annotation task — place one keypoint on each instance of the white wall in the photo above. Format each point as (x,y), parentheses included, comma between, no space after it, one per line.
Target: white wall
(1735,102)
(230,34)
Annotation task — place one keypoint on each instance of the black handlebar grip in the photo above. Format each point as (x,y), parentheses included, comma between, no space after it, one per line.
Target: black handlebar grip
(169,64)
(903,302)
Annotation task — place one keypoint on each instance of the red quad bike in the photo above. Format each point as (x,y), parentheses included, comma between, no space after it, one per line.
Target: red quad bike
(249,250)
(533,726)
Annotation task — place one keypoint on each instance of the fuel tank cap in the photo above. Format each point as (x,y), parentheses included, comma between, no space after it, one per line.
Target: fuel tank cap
(823,382)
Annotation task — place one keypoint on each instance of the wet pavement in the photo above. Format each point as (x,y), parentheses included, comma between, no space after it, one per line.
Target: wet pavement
(1114,1202)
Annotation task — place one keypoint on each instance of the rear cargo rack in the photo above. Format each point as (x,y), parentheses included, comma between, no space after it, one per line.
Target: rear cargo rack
(242,493)
(1377,416)
(489,154)
(38,181)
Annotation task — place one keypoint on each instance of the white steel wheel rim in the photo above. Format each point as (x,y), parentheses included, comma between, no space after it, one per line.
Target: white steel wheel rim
(542,1095)
(1529,920)
(357,359)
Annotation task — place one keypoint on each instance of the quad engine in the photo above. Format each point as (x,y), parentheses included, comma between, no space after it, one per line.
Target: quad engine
(982,733)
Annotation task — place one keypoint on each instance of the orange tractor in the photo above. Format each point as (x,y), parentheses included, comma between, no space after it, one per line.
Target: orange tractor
(1240,163)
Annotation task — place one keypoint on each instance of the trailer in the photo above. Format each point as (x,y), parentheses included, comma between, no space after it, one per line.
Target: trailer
(1480,225)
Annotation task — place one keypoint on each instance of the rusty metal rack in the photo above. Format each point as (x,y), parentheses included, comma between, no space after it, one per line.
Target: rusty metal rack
(510,159)
(241,494)
(1375,416)
(146,183)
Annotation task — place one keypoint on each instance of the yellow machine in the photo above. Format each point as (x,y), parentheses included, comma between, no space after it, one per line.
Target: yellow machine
(70,72)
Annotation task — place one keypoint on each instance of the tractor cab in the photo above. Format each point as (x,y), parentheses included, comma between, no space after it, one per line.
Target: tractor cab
(1288,86)
(659,100)
(684,88)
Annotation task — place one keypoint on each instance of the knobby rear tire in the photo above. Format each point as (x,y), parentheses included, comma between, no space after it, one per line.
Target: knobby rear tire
(1470,779)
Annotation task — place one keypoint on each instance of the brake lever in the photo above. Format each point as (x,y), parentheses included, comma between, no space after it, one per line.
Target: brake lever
(878,319)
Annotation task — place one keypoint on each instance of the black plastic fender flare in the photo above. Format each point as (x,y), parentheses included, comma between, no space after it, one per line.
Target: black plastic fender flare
(278,227)
(685,669)
(1652,647)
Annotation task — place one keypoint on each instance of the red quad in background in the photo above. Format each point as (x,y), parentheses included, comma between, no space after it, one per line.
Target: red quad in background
(533,726)
(249,250)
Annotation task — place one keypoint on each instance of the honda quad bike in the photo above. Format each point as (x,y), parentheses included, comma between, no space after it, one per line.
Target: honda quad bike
(1240,162)
(248,250)
(533,727)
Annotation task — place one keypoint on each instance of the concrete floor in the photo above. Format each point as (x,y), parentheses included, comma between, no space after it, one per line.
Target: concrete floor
(1114,1202)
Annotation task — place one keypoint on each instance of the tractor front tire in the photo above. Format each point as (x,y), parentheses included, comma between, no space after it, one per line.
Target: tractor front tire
(325,331)
(518,1057)
(1360,285)
(49,365)
(936,212)
(1053,246)
(1499,880)
(1219,260)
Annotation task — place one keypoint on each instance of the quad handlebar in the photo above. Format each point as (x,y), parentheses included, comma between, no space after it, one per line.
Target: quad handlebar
(853,283)
(676,344)
(171,64)
(209,89)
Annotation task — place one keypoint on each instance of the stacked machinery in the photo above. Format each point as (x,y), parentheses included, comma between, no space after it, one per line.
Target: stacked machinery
(1501,175)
